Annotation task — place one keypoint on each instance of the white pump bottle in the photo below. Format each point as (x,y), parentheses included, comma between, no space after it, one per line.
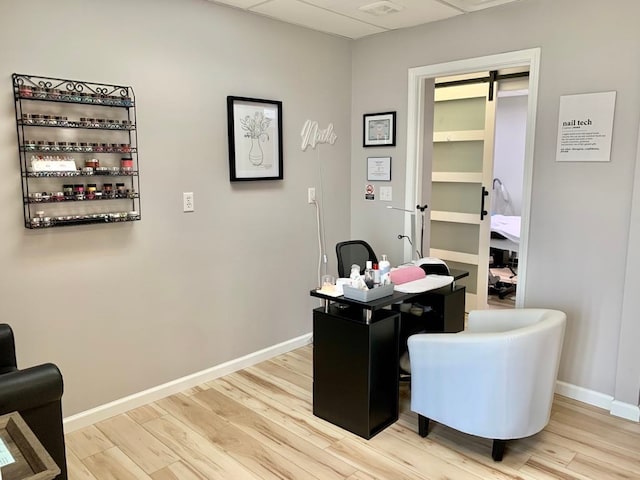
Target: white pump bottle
(384,265)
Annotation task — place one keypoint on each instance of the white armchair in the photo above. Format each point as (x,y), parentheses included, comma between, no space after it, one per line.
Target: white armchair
(495,380)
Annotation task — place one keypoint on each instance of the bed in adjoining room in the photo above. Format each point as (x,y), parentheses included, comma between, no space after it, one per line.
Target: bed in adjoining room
(505,232)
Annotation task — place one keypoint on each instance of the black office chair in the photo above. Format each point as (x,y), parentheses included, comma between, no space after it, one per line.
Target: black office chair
(353,251)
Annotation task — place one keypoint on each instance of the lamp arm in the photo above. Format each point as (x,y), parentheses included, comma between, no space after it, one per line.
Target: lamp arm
(422,209)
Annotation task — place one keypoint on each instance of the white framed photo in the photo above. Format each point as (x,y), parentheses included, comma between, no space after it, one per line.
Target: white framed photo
(379,129)
(379,169)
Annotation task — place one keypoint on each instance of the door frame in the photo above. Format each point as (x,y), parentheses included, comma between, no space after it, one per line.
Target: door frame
(415,135)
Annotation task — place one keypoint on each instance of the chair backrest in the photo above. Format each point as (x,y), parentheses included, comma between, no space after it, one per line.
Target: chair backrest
(353,251)
(7,349)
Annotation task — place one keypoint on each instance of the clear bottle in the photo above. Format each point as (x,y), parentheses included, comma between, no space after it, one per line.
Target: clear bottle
(357,280)
(384,266)
(376,275)
(369,275)
(355,274)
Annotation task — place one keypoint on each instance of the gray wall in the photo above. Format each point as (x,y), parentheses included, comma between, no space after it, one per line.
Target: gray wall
(127,307)
(580,213)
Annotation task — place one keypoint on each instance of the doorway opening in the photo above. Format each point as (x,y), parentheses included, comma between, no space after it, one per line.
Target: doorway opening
(420,189)
(506,198)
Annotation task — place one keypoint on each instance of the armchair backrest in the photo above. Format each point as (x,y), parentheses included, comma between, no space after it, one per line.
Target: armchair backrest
(494,321)
(353,252)
(7,349)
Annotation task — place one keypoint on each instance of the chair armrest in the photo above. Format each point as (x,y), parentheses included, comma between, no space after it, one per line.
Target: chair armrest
(501,360)
(7,348)
(32,387)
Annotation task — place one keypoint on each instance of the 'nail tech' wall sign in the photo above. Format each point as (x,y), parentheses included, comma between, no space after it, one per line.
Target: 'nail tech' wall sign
(585,125)
(312,135)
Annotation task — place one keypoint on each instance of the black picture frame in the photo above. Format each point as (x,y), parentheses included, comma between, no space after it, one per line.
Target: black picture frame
(255,139)
(378,169)
(379,129)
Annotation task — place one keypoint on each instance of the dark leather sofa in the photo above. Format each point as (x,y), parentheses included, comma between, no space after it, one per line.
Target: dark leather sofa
(36,393)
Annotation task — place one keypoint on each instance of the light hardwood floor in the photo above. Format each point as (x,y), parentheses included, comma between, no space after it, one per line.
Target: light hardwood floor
(257,424)
(497,303)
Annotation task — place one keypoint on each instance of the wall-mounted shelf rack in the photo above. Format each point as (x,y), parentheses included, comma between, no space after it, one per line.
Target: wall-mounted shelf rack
(65,134)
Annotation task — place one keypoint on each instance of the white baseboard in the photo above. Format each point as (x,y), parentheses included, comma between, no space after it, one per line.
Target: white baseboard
(601,400)
(102,412)
(625,410)
(584,395)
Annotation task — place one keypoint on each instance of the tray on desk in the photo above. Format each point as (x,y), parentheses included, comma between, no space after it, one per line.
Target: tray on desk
(32,461)
(367,295)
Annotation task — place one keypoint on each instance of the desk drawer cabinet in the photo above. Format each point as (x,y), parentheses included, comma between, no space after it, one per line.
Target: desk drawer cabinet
(355,369)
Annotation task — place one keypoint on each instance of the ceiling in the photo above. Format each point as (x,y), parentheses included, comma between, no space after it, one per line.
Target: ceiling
(359,18)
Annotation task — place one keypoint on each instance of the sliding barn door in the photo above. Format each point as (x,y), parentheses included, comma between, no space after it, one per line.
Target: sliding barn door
(462,169)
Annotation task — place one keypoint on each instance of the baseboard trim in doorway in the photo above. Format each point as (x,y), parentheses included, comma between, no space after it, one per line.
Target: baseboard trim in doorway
(625,410)
(600,400)
(102,412)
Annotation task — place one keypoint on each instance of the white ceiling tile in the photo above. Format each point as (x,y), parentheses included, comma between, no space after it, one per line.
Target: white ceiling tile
(344,17)
(414,12)
(244,4)
(473,5)
(310,16)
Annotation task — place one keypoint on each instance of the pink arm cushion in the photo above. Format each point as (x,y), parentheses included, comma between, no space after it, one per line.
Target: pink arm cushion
(406,274)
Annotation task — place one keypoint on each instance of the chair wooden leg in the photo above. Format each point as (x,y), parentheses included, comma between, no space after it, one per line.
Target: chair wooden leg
(498,450)
(423,426)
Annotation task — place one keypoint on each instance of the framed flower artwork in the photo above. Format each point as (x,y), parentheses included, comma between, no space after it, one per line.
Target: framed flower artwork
(255,139)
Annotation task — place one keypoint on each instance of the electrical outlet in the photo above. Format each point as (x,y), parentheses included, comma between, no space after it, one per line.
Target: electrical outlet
(187,202)
(311,195)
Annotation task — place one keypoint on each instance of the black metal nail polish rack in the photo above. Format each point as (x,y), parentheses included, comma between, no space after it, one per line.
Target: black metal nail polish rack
(59,122)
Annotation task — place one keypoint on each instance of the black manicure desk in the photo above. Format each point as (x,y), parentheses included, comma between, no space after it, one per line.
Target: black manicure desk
(356,351)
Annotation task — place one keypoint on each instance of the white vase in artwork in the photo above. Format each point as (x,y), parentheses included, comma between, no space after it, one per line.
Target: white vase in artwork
(256,155)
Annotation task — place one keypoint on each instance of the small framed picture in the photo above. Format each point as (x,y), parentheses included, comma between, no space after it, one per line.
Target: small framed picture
(255,139)
(379,129)
(379,169)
